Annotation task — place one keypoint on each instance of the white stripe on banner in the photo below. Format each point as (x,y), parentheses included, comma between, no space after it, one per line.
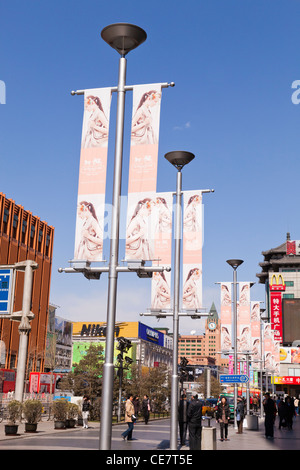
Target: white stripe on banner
(92,175)
(143,172)
(192,250)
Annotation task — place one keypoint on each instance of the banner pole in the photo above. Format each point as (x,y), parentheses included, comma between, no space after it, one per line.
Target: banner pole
(108,369)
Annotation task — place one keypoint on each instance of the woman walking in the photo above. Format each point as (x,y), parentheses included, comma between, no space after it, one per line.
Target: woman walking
(222,416)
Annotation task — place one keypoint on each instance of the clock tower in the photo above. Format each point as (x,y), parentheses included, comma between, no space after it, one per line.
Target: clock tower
(212,323)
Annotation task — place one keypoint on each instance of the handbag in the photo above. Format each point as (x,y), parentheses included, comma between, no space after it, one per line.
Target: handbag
(133,418)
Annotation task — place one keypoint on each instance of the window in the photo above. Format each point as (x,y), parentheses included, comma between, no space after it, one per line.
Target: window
(288,296)
(289,283)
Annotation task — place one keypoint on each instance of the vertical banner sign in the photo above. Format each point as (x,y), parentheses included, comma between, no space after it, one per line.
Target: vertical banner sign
(192,250)
(277,286)
(226,316)
(255,334)
(92,175)
(268,346)
(161,281)
(143,172)
(243,318)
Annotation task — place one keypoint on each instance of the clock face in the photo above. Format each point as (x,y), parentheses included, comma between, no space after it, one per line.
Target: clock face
(212,325)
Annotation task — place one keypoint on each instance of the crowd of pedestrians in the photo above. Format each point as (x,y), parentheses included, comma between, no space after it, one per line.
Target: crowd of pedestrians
(190,415)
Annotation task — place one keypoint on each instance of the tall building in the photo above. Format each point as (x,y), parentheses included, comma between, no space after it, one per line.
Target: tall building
(280,274)
(281,267)
(204,349)
(25,236)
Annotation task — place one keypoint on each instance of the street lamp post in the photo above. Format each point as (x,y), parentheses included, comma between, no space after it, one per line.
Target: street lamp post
(235,263)
(123,38)
(178,159)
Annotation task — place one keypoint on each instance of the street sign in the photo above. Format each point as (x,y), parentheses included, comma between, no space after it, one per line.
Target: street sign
(234,379)
(6,290)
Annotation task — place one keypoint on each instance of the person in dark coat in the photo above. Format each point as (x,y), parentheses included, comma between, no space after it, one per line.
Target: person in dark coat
(290,412)
(270,415)
(282,413)
(195,423)
(240,414)
(146,408)
(183,418)
(222,417)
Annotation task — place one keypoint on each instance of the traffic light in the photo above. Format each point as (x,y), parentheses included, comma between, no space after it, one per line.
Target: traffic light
(183,374)
(124,345)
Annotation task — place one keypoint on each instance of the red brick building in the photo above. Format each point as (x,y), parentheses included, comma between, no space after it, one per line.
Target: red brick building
(25,236)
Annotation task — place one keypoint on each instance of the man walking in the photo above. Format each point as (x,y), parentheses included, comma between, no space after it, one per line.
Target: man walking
(194,414)
(182,418)
(270,414)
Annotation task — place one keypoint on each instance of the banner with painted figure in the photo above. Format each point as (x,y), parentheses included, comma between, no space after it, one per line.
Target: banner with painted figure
(268,347)
(143,172)
(92,175)
(255,334)
(243,318)
(192,250)
(226,316)
(161,281)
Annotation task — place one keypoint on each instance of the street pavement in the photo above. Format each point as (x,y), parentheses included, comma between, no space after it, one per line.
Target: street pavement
(155,436)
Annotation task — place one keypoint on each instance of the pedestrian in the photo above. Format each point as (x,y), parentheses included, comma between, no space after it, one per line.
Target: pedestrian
(130,418)
(296,403)
(223,416)
(182,418)
(240,414)
(195,423)
(86,408)
(136,404)
(255,403)
(146,406)
(270,414)
(282,413)
(290,412)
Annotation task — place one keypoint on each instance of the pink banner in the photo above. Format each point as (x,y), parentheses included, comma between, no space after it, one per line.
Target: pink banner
(255,334)
(162,221)
(192,250)
(92,175)
(226,316)
(140,234)
(243,318)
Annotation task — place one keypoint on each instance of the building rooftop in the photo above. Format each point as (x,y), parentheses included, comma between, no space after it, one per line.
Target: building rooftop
(277,258)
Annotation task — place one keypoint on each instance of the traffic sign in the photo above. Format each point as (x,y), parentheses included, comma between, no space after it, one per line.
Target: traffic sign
(234,379)
(6,289)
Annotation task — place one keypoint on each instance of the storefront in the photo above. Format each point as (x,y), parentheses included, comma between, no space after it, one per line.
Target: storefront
(149,346)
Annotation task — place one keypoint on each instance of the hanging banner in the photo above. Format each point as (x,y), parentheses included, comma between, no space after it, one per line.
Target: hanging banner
(192,250)
(226,316)
(143,172)
(255,334)
(243,318)
(277,286)
(92,175)
(161,281)
(268,347)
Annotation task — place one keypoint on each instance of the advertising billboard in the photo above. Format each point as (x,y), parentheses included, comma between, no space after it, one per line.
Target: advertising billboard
(150,334)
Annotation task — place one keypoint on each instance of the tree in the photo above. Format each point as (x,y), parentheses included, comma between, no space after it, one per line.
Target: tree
(154,382)
(86,378)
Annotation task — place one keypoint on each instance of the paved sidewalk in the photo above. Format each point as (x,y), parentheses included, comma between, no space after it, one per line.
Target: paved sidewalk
(156,435)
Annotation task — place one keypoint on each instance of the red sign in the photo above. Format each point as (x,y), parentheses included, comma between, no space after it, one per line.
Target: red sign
(276,315)
(290,248)
(287,380)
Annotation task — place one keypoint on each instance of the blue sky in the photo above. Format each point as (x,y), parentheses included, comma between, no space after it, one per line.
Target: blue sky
(233,64)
